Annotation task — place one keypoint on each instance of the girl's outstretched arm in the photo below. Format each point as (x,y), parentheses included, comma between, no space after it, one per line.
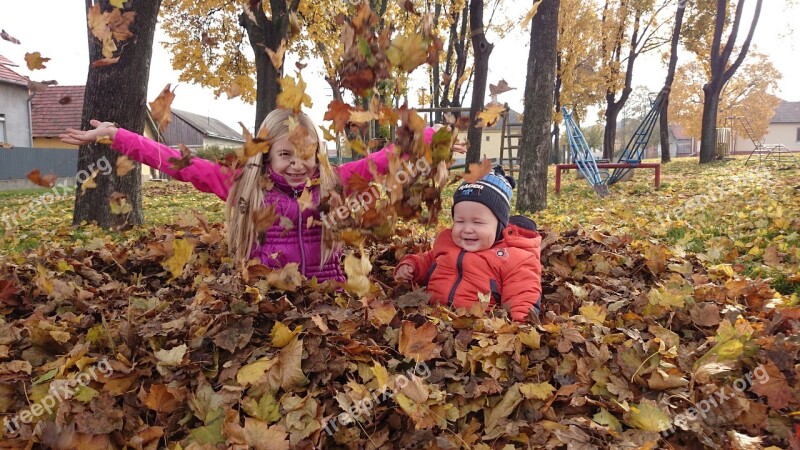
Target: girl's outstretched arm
(205,175)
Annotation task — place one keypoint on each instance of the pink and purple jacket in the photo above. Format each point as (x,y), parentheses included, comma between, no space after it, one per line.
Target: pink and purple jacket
(281,245)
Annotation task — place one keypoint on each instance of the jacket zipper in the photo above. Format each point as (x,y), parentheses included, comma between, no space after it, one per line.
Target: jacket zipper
(300,236)
(458,279)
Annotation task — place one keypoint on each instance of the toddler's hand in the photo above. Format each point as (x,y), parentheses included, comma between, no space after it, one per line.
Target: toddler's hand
(84,137)
(404,273)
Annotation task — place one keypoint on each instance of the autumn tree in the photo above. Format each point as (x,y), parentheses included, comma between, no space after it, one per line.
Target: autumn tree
(747,94)
(482,49)
(629,28)
(709,21)
(535,142)
(120,47)
(577,79)
(663,119)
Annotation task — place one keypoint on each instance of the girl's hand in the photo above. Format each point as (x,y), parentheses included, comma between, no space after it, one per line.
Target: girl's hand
(404,273)
(79,137)
(457,148)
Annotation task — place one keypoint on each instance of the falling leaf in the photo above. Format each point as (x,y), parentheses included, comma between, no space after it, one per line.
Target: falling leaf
(105,62)
(184,161)
(532,12)
(118,3)
(90,183)
(477,171)
(306,200)
(65,100)
(8,37)
(35,61)
(233,90)
(182,253)
(119,204)
(207,40)
(160,107)
(408,51)
(124,165)
(276,56)
(44,181)
(293,95)
(417,343)
(490,115)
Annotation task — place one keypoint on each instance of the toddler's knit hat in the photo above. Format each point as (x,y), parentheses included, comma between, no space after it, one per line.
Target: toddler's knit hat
(493,191)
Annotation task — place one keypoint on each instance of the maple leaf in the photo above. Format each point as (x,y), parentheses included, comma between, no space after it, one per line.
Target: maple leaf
(45,181)
(65,100)
(293,93)
(287,278)
(35,61)
(306,200)
(417,343)
(160,107)
(181,254)
(408,51)
(254,146)
(264,218)
(649,417)
(161,398)
(98,23)
(184,161)
(124,165)
(5,36)
(770,382)
(477,171)
(119,24)
(281,334)
(529,16)
(490,115)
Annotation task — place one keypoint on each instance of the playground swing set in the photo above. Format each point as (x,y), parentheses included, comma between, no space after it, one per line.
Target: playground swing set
(630,158)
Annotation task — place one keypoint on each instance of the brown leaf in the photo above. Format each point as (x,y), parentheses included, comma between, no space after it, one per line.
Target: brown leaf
(233,90)
(417,343)
(160,108)
(164,399)
(47,181)
(706,315)
(124,165)
(276,56)
(207,41)
(65,100)
(769,381)
(105,62)
(477,171)
(35,61)
(184,161)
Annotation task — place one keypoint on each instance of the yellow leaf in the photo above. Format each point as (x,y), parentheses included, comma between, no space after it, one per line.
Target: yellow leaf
(357,270)
(182,252)
(490,115)
(276,56)
(531,13)
(253,372)
(118,3)
(594,313)
(536,390)
(306,200)
(408,51)
(89,183)
(532,339)
(124,165)
(293,94)
(648,417)
(281,334)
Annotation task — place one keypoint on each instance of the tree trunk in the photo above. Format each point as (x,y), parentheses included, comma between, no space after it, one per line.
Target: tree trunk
(115,93)
(663,131)
(708,136)
(555,154)
(722,71)
(482,49)
(673,64)
(610,131)
(535,143)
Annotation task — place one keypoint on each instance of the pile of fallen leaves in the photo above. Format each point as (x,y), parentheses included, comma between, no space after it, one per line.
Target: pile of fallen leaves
(201,357)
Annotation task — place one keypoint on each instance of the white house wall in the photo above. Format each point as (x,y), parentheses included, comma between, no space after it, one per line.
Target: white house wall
(779,133)
(14,106)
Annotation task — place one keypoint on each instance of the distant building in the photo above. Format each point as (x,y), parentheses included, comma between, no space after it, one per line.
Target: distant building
(15,116)
(784,128)
(680,143)
(196,131)
(53,111)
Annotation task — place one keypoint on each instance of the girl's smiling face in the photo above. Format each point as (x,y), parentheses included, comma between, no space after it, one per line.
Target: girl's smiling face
(474,226)
(284,161)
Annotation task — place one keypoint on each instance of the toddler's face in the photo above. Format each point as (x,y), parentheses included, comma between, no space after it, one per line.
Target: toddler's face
(474,226)
(284,160)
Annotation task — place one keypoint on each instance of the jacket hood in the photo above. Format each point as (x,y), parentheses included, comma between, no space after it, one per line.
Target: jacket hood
(514,236)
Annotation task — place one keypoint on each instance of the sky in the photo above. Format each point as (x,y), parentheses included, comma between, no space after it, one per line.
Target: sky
(57,29)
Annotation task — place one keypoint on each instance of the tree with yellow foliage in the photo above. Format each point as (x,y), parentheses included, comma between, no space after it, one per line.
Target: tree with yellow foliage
(748,94)
(629,28)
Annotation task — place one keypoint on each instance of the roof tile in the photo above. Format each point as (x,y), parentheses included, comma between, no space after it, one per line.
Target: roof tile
(50,118)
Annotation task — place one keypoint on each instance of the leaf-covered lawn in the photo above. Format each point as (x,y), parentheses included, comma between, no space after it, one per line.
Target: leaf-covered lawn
(657,332)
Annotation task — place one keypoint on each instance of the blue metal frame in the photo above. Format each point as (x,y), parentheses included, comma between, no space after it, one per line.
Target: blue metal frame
(582,155)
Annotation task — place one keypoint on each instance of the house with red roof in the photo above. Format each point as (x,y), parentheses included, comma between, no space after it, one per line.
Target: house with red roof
(53,111)
(15,116)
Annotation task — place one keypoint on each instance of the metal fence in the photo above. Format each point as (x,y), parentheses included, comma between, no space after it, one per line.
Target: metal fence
(16,163)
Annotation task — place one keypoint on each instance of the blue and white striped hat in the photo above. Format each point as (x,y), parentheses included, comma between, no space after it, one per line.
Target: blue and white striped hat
(493,191)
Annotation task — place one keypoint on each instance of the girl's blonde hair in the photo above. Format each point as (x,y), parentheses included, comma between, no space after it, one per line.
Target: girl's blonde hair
(247,196)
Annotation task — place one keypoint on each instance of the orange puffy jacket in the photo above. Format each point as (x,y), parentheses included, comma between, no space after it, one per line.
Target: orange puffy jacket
(511,271)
